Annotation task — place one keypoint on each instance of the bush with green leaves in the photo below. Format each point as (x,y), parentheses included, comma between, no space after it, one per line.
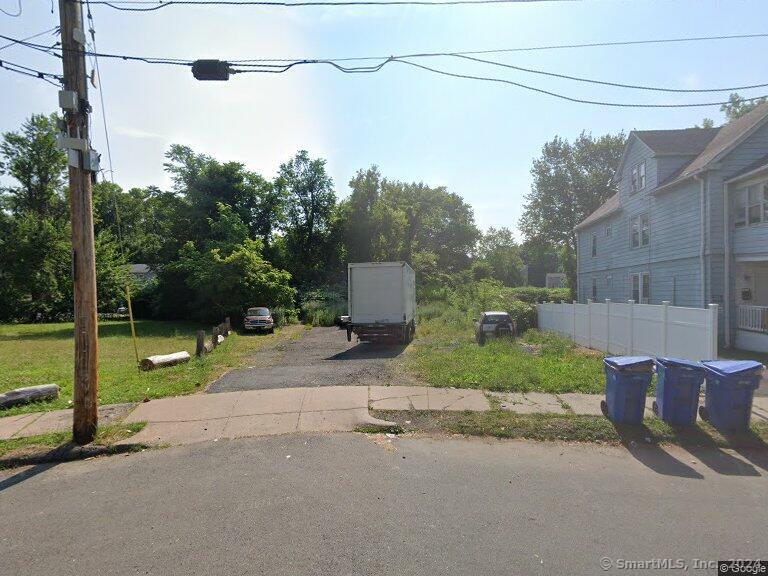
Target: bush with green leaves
(323,306)
(536,295)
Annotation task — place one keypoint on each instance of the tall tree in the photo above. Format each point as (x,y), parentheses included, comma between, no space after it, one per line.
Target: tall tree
(359,213)
(310,205)
(31,158)
(570,181)
(497,248)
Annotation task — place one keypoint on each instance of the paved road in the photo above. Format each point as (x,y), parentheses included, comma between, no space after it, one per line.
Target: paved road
(351,505)
(321,357)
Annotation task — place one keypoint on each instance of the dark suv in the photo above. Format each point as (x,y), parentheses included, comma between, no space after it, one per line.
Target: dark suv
(494,325)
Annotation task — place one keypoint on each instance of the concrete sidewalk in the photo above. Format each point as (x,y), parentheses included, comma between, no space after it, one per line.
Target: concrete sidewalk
(204,417)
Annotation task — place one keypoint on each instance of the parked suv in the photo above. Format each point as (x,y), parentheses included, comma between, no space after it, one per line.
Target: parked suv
(259,319)
(494,325)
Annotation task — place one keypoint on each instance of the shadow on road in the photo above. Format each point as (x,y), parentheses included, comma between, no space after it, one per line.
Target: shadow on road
(701,445)
(369,351)
(26,474)
(652,455)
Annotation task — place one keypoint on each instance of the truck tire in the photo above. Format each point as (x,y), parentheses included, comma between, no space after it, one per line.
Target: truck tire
(349,334)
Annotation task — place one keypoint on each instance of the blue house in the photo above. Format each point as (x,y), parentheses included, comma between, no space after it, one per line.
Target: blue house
(689,225)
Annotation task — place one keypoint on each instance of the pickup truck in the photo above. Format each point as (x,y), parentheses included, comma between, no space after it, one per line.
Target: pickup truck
(259,319)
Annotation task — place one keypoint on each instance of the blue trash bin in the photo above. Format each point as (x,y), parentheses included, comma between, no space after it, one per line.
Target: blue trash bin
(678,383)
(731,384)
(626,383)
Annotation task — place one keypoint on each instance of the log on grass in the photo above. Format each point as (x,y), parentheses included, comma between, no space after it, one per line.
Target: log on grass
(164,360)
(29,394)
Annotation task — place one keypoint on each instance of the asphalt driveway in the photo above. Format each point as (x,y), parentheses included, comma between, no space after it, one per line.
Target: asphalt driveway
(319,357)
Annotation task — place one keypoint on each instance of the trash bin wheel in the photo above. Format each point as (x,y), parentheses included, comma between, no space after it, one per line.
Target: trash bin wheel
(604,408)
(704,413)
(655,408)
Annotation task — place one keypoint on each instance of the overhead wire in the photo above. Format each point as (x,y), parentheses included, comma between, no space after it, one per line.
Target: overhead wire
(16,42)
(18,13)
(31,72)
(151,6)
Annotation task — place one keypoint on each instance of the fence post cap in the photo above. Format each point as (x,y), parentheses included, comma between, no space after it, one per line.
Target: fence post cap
(607,300)
(630,301)
(665,302)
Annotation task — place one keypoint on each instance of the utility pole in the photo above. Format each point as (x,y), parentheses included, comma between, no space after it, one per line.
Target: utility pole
(74,100)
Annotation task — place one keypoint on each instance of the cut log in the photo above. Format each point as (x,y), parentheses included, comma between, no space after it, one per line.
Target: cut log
(29,394)
(219,338)
(164,360)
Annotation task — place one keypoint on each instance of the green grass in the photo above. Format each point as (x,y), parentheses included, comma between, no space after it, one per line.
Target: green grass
(32,354)
(106,436)
(568,427)
(446,354)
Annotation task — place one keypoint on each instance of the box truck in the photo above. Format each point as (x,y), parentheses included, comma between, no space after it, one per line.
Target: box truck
(382,301)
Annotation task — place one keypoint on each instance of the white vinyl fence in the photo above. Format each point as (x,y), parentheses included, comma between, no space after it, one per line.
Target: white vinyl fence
(636,329)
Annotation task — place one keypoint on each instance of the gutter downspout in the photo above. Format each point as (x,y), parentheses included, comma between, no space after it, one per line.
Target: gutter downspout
(702,270)
(727,263)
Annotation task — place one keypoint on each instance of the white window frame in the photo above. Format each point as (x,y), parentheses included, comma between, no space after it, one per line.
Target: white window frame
(637,178)
(641,294)
(751,198)
(593,246)
(643,230)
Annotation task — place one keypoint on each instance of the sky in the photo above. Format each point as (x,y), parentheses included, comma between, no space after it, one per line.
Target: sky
(477,139)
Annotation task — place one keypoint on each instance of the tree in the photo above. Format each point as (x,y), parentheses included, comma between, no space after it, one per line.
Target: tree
(205,182)
(310,204)
(499,251)
(358,214)
(570,181)
(32,159)
(225,282)
(738,106)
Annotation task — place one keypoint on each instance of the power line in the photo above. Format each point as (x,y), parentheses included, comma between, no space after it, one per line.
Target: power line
(562,96)
(31,72)
(152,5)
(271,67)
(244,66)
(613,84)
(18,13)
(16,42)
(527,48)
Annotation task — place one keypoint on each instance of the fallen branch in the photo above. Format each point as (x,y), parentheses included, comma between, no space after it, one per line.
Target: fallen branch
(162,361)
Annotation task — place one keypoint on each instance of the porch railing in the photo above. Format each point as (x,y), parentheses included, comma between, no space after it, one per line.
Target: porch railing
(754,318)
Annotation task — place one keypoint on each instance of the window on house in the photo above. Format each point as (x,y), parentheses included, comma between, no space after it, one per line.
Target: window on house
(609,281)
(594,289)
(641,287)
(594,245)
(609,230)
(640,231)
(750,205)
(638,178)
(740,208)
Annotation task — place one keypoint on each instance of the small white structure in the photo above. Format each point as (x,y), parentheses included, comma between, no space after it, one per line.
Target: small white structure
(142,272)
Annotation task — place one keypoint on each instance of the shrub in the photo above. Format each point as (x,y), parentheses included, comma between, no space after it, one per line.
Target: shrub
(284,316)
(523,314)
(323,306)
(536,295)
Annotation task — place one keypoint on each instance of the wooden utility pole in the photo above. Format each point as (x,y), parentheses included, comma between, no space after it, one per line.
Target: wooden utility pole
(77,108)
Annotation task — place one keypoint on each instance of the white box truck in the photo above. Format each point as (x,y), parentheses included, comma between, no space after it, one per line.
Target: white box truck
(382,301)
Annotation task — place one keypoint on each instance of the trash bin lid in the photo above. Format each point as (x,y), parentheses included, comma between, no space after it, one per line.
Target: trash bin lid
(625,362)
(732,367)
(679,363)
